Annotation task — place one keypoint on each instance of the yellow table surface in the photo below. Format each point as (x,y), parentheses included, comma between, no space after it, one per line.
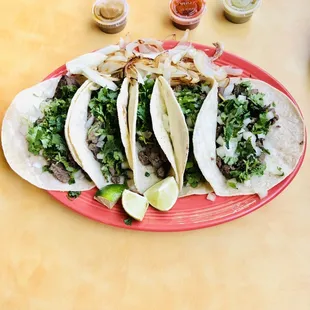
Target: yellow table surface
(53,258)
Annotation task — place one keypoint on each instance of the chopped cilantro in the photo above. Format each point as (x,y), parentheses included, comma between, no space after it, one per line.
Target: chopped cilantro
(144,121)
(147,174)
(191,98)
(281,173)
(232,184)
(46,136)
(235,114)
(73,195)
(112,154)
(128,221)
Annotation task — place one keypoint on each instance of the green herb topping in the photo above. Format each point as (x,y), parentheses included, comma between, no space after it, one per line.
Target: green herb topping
(128,221)
(46,136)
(73,195)
(104,138)
(243,122)
(191,99)
(144,121)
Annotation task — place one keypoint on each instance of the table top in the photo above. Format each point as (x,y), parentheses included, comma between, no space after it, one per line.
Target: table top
(52,258)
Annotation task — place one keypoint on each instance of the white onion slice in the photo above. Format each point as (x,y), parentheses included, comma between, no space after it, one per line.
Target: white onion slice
(91,60)
(167,70)
(148,69)
(110,67)
(203,64)
(95,77)
(109,49)
(99,156)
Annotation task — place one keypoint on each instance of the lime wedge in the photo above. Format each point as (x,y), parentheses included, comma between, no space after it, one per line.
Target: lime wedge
(241,3)
(110,194)
(163,195)
(134,204)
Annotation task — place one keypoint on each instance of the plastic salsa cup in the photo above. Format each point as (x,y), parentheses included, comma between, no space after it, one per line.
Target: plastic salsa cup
(240,11)
(186,14)
(110,24)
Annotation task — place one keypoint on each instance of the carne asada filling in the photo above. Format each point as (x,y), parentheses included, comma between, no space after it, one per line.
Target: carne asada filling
(243,122)
(151,153)
(191,98)
(46,135)
(103,136)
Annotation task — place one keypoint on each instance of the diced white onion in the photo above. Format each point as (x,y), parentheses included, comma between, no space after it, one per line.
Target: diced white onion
(101,138)
(219,120)
(89,122)
(242,98)
(220,140)
(261,136)
(270,115)
(247,121)
(220,151)
(248,135)
(258,151)
(100,144)
(211,196)
(100,156)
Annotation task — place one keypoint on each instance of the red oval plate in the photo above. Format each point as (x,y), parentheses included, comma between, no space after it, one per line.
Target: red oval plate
(191,212)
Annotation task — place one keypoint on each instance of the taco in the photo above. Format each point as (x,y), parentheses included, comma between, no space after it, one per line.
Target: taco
(152,154)
(186,101)
(33,136)
(94,130)
(250,140)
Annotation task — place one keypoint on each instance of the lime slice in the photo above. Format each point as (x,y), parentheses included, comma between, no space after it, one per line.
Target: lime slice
(241,3)
(134,204)
(163,195)
(110,194)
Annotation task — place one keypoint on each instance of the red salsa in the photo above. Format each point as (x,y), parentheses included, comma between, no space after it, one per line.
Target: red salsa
(186,14)
(186,8)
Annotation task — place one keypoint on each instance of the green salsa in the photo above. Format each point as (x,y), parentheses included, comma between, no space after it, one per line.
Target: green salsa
(244,5)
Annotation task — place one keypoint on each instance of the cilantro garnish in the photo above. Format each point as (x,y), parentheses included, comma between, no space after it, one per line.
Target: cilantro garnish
(128,221)
(191,99)
(281,173)
(73,195)
(247,113)
(46,136)
(144,121)
(111,155)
